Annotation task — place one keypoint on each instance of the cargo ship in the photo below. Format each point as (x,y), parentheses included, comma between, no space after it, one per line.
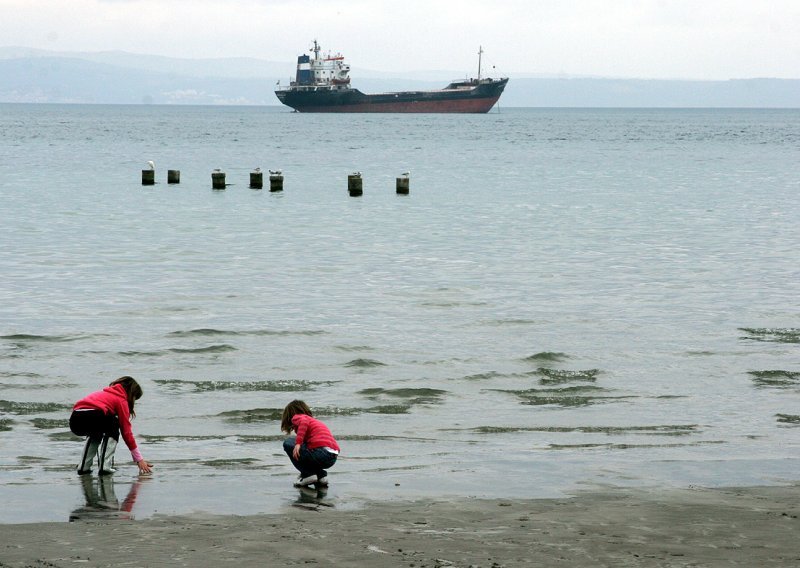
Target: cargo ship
(322,84)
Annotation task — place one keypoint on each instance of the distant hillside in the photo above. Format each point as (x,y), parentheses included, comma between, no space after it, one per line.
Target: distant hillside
(65,80)
(735,93)
(33,76)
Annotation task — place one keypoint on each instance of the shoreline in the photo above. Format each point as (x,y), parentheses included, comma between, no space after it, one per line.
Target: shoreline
(748,526)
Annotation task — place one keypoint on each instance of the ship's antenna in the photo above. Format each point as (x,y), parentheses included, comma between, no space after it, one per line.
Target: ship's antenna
(316,50)
(480,52)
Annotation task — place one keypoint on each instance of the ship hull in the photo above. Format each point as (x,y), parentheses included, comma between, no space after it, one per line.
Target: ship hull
(478,99)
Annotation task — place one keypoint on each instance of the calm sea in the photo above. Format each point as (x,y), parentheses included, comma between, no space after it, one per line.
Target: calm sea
(566,299)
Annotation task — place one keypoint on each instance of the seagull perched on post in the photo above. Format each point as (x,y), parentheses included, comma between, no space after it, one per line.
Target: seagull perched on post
(152,164)
(276,172)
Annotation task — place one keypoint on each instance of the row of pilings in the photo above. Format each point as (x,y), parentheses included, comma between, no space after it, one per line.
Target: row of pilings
(355,185)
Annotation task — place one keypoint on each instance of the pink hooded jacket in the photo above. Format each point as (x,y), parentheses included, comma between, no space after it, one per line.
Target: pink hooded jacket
(113,400)
(313,433)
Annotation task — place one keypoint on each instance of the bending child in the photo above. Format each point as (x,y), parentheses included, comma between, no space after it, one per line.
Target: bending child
(100,416)
(312,449)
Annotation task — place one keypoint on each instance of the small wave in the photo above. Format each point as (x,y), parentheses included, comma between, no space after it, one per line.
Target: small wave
(222,348)
(338,411)
(373,438)
(700,353)
(142,353)
(243,386)
(659,430)
(389,409)
(452,304)
(36,386)
(565,396)
(10,375)
(778,335)
(13,407)
(629,446)
(63,436)
(415,395)
(210,332)
(49,423)
(483,376)
(252,415)
(242,438)
(775,379)
(512,321)
(553,376)
(354,348)
(547,356)
(5,424)
(30,338)
(788,418)
(32,459)
(364,363)
(233,463)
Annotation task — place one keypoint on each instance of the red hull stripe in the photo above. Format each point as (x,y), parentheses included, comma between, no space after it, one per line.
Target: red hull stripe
(451,106)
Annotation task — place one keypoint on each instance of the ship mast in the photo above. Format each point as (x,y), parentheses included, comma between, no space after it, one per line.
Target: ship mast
(480,52)
(316,50)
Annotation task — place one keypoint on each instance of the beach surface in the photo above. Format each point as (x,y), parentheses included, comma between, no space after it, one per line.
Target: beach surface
(754,526)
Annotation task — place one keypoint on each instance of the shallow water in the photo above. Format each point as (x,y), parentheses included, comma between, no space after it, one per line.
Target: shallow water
(566,298)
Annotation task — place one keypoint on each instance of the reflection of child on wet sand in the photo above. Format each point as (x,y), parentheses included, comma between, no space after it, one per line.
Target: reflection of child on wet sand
(102,502)
(312,449)
(100,416)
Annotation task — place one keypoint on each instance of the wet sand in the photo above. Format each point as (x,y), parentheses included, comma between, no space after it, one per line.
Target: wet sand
(755,526)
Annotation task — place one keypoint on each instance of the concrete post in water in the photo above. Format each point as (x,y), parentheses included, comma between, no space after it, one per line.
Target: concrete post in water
(149,175)
(354,184)
(256,179)
(403,183)
(218,179)
(173,176)
(275,180)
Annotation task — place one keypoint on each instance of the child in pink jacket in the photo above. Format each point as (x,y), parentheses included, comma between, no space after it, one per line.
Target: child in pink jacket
(100,416)
(312,449)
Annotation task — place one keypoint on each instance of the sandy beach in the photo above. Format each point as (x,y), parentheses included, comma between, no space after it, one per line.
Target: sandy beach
(755,526)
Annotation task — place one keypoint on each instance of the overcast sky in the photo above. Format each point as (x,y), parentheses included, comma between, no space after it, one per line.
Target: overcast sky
(693,39)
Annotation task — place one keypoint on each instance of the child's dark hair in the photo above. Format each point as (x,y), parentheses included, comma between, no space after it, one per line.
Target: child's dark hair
(293,408)
(132,388)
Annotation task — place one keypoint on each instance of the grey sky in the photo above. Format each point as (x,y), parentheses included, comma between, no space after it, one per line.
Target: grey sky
(700,39)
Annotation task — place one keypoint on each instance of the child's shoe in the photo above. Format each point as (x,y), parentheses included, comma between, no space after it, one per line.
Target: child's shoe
(305,481)
(322,481)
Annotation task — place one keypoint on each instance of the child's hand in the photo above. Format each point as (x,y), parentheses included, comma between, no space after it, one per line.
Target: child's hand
(145,468)
(296,451)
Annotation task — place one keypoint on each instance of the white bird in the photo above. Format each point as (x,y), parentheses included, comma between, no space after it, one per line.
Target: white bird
(276,172)
(216,170)
(357,174)
(257,170)
(406,174)
(151,164)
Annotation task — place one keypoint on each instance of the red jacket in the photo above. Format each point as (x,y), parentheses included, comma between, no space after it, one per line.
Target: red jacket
(313,433)
(113,400)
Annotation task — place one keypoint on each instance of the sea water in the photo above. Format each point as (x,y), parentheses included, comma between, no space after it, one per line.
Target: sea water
(566,299)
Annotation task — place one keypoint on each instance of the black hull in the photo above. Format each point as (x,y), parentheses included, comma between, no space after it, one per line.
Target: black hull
(476,99)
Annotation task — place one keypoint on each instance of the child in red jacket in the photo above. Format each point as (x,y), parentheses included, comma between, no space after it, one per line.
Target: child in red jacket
(100,416)
(313,449)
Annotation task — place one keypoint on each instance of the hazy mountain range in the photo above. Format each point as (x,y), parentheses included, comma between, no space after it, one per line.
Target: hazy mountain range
(115,77)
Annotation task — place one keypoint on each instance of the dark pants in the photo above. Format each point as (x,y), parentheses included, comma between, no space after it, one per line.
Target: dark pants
(311,462)
(94,423)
